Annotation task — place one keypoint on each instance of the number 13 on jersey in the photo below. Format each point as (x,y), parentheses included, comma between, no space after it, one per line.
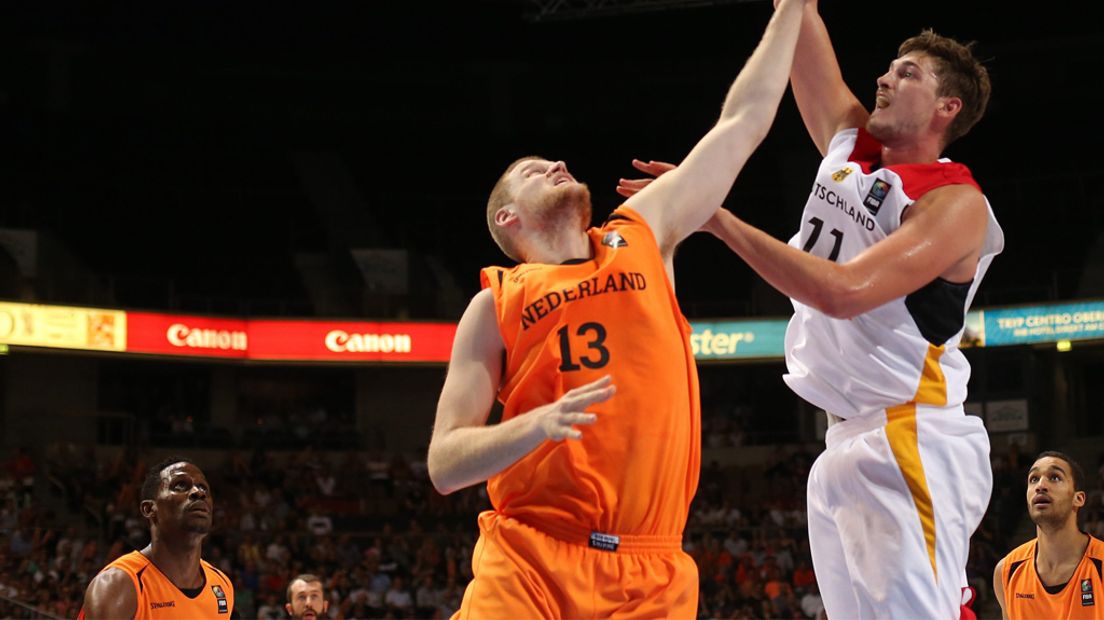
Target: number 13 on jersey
(583,347)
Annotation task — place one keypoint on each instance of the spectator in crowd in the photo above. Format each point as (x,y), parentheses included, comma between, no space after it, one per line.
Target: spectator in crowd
(398,599)
(270,609)
(306,598)
(811,603)
(58,562)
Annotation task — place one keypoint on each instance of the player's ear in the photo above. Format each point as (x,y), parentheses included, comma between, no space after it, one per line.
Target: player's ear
(148,508)
(949,106)
(505,215)
(1079,499)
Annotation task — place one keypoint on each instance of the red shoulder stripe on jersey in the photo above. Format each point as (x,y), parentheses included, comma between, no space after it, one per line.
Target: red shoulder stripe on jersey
(916,179)
(919,179)
(867,151)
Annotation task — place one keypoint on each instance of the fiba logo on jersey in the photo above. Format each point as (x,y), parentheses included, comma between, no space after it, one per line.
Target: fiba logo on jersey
(220,598)
(1087,593)
(614,239)
(877,194)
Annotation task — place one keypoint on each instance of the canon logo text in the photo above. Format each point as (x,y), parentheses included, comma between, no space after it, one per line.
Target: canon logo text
(340,341)
(181,335)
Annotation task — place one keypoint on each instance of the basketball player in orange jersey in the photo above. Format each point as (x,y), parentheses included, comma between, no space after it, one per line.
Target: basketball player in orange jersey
(584,341)
(1060,574)
(166,580)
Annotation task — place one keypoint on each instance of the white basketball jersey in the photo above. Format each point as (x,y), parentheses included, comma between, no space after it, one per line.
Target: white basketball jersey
(852,367)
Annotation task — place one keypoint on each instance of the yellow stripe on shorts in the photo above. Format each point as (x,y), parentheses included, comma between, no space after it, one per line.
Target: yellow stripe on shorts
(903,440)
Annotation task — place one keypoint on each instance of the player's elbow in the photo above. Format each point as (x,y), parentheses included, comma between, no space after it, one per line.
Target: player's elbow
(439,472)
(441,483)
(441,487)
(836,309)
(840,300)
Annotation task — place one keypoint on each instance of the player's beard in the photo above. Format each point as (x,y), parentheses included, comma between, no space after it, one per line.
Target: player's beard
(890,132)
(198,528)
(566,207)
(300,616)
(1050,520)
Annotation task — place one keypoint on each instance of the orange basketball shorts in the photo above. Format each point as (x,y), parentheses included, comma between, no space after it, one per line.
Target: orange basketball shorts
(522,572)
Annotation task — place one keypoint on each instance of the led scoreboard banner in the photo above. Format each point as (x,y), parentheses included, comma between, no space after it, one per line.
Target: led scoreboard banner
(1038,324)
(315,340)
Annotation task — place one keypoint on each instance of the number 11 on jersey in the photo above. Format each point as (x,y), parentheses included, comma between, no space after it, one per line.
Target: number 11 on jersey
(818,224)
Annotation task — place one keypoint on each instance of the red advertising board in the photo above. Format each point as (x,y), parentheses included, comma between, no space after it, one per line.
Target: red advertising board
(290,340)
(350,341)
(177,334)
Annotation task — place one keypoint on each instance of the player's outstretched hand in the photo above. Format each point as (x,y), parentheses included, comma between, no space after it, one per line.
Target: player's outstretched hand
(558,419)
(628,187)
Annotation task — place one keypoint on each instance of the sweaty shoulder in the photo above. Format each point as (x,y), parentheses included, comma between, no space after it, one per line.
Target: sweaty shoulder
(110,595)
(965,204)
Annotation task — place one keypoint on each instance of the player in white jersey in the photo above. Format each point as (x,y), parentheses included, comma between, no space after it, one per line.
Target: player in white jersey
(892,246)
(893,243)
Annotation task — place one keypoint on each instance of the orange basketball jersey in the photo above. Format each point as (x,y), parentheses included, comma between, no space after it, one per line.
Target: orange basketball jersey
(160,599)
(636,469)
(1081,598)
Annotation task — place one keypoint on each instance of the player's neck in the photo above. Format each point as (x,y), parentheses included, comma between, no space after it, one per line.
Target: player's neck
(1060,545)
(555,250)
(179,561)
(918,152)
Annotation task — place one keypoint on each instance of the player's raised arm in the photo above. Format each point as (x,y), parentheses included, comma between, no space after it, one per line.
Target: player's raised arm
(679,202)
(826,104)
